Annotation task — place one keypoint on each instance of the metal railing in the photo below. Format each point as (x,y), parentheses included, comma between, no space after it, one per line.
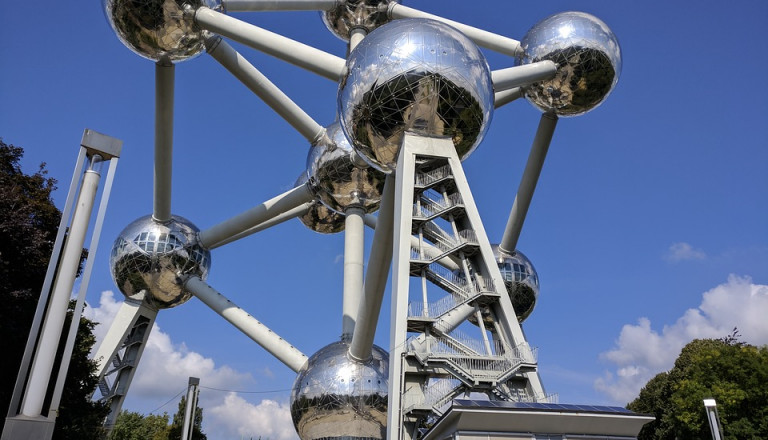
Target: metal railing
(461,354)
(434,309)
(430,177)
(432,207)
(439,393)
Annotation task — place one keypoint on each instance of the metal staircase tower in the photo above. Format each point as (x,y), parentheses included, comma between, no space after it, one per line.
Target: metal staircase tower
(119,353)
(453,331)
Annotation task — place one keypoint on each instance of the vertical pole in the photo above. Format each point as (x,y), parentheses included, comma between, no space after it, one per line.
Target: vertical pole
(710,406)
(356,35)
(354,248)
(401,243)
(86,277)
(190,408)
(50,334)
(164,90)
(375,278)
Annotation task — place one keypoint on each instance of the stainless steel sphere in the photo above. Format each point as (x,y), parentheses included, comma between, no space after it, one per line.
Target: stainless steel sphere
(336,397)
(414,75)
(149,257)
(319,217)
(588,59)
(158,29)
(352,14)
(520,280)
(339,178)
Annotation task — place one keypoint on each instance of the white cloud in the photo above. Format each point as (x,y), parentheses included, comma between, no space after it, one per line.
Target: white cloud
(103,314)
(683,252)
(238,417)
(165,367)
(642,352)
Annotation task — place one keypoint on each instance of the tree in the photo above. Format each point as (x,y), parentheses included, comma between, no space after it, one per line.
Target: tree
(134,426)
(178,423)
(735,374)
(29,222)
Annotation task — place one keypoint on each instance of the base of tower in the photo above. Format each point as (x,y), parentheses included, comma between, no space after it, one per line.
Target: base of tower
(497,420)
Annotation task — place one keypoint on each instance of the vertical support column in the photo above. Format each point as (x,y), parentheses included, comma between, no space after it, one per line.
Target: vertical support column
(379,262)
(354,248)
(27,415)
(403,207)
(190,409)
(356,35)
(165,74)
(50,334)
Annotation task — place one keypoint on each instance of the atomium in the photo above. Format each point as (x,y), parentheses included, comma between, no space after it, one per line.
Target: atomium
(337,397)
(356,14)
(588,59)
(415,75)
(319,217)
(339,178)
(411,75)
(148,259)
(159,29)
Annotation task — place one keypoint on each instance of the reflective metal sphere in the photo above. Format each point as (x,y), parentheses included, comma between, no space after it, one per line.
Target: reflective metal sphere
(588,59)
(521,282)
(414,75)
(319,217)
(336,397)
(351,14)
(339,178)
(148,257)
(158,29)
(520,279)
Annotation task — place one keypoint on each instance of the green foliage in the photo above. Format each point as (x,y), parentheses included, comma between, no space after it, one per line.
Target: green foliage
(735,374)
(134,426)
(28,224)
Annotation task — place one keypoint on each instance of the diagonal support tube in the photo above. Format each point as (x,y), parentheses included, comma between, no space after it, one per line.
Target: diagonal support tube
(506,96)
(533,167)
(511,77)
(250,326)
(379,262)
(277,5)
(164,90)
(488,40)
(255,216)
(286,49)
(287,215)
(259,84)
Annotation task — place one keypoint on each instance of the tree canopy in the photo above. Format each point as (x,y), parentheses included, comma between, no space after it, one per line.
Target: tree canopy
(134,426)
(735,374)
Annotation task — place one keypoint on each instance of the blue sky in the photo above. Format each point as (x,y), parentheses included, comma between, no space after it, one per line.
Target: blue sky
(649,226)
